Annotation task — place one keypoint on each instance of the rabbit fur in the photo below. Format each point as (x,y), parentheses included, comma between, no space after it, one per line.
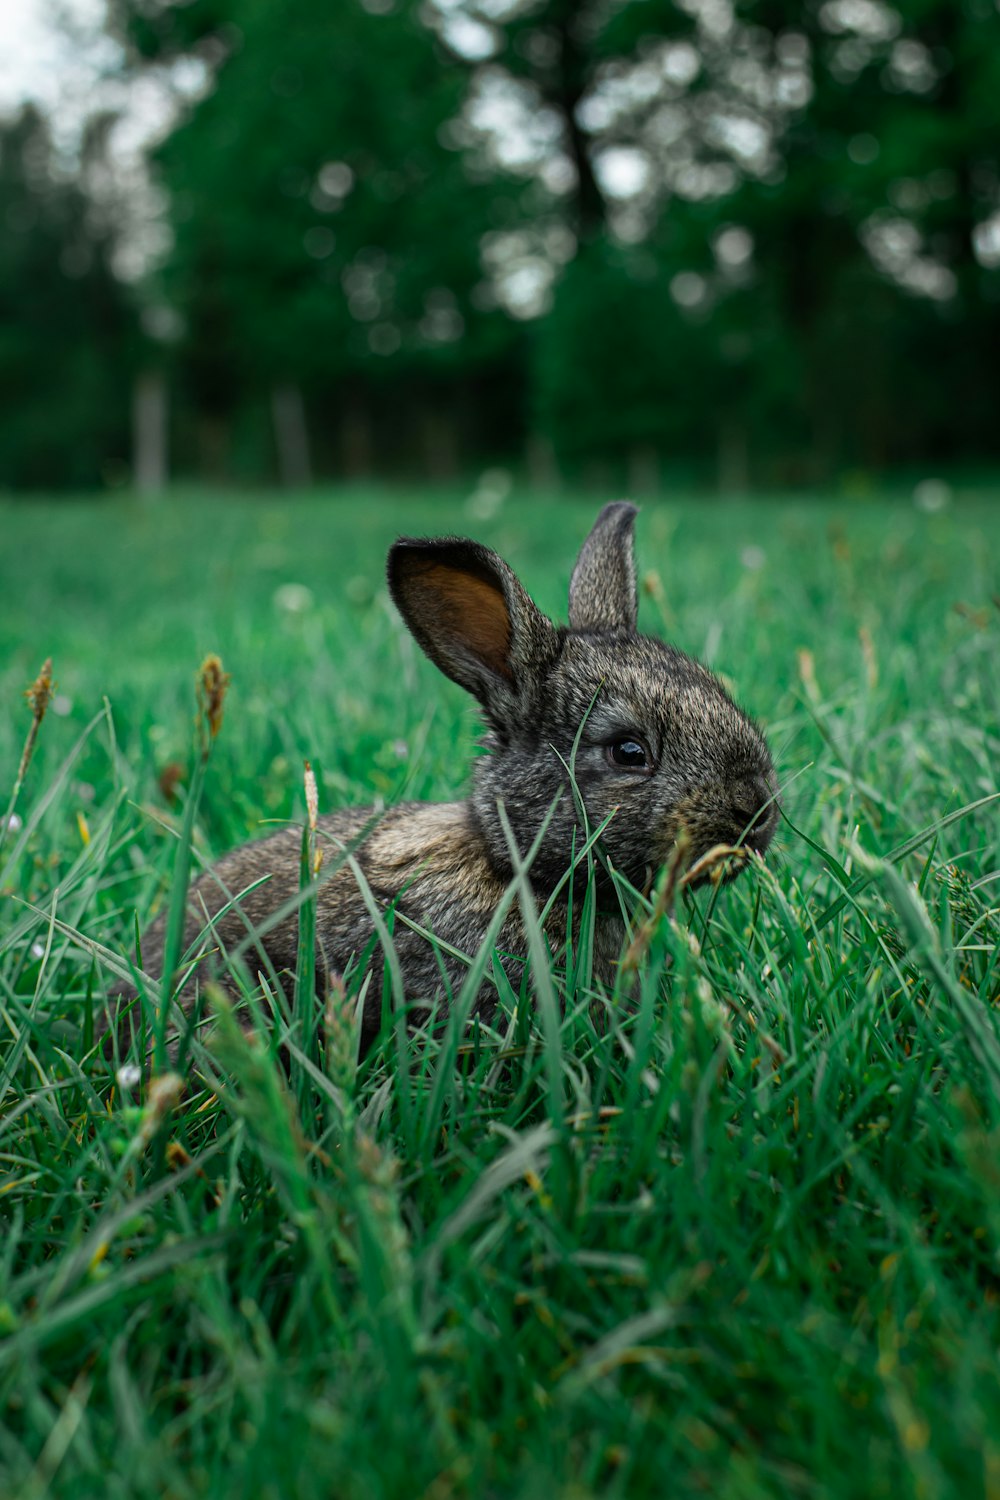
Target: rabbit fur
(655,744)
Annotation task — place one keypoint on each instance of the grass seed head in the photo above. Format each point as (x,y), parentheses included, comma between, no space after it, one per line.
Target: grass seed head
(663,900)
(164,1094)
(714,865)
(338,1024)
(39,694)
(379,1172)
(212,685)
(312,813)
(312,796)
(807,674)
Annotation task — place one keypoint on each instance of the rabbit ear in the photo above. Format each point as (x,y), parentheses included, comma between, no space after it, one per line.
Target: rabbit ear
(602,591)
(471,616)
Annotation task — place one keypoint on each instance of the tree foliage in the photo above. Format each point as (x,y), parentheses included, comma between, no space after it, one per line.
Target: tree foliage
(65,328)
(760,237)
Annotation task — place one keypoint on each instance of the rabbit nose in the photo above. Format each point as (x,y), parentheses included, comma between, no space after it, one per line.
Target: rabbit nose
(755,809)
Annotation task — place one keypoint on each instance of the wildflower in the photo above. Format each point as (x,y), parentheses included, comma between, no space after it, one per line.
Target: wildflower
(128,1076)
(931,495)
(293,598)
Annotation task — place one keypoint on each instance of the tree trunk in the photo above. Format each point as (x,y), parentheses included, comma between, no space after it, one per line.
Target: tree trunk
(733,460)
(643,469)
(438,442)
(149,433)
(213,447)
(291,436)
(357,443)
(573,77)
(541,462)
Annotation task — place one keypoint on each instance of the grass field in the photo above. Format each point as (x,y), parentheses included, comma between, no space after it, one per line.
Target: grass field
(743,1242)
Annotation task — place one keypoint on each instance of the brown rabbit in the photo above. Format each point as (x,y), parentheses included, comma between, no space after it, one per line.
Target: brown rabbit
(654,742)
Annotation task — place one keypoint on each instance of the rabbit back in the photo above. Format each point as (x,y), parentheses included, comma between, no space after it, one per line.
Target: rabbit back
(425,863)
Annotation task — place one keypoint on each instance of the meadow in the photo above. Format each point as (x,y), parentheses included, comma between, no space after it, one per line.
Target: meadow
(742,1240)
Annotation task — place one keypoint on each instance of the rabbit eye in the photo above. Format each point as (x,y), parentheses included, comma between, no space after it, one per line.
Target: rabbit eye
(630,754)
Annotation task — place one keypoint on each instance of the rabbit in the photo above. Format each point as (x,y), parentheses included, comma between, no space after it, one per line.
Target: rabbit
(655,744)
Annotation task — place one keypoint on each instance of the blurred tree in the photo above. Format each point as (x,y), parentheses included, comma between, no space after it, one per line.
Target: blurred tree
(65,327)
(326,253)
(421,234)
(817,186)
(886,146)
(938,229)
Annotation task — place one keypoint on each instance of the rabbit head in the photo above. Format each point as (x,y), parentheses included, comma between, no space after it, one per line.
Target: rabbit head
(650,737)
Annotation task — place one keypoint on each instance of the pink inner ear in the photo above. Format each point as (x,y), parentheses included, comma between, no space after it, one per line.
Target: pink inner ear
(474,612)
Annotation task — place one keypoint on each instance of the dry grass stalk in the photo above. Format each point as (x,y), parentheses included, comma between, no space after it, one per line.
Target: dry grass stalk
(663,902)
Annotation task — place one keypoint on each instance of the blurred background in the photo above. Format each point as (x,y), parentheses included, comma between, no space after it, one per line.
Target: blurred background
(604,242)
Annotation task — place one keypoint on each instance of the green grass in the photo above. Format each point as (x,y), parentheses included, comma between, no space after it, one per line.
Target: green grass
(743,1242)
